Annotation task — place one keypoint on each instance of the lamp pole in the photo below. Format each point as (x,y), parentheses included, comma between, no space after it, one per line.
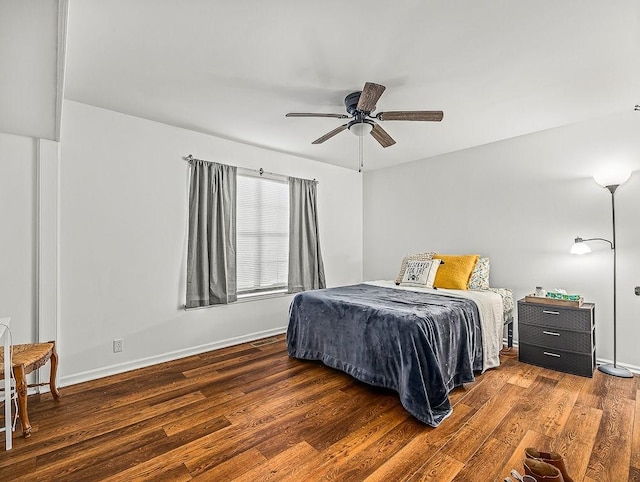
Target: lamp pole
(612,189)
(614,369)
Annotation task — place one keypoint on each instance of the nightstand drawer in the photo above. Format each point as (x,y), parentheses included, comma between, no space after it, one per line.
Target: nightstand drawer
(578,364)
(543,336)
(578,319)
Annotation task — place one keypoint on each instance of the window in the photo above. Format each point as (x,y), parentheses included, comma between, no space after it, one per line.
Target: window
(262,231)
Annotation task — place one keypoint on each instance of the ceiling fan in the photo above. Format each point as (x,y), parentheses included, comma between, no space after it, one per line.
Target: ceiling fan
(360,105)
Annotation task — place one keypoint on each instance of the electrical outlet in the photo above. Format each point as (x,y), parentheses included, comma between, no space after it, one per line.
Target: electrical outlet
(118,345)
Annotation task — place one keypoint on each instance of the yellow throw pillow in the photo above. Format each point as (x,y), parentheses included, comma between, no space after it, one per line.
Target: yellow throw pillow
(456,271)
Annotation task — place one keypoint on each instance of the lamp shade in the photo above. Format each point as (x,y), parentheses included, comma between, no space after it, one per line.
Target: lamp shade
(360,129)
(612,177)
(580,247)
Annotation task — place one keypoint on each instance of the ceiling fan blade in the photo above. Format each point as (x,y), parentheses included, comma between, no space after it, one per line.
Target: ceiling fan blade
(369,96)
(308,114)
(412,115)
(329,135)
(380,135)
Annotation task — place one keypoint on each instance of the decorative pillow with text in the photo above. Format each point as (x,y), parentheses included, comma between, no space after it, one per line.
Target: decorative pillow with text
(420,273)
(412,257)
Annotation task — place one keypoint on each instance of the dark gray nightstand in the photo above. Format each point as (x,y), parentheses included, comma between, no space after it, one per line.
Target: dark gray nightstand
(560,338)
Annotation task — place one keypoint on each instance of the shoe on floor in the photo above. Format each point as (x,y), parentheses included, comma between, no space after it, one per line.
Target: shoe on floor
(542,471)
(552,458)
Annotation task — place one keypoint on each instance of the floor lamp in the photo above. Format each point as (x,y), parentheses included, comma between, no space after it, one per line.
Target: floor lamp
(580,247)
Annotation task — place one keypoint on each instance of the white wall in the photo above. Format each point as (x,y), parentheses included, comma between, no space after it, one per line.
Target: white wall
(32,34)
(123,219)
(18,235)
(521,202)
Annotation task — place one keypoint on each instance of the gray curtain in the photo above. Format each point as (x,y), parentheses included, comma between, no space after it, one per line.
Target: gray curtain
(306,270)
(211,255)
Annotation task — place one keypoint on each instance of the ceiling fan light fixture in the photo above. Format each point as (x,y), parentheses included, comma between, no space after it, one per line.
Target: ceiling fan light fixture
(360,129)
(359,106)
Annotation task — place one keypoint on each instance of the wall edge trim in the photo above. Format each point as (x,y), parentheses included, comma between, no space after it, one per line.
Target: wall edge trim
(165,357)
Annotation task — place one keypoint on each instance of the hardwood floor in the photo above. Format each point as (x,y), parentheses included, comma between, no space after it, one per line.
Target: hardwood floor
(251,413)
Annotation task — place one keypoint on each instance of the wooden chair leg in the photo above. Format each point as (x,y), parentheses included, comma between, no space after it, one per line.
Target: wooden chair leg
(54,370)
(21,388)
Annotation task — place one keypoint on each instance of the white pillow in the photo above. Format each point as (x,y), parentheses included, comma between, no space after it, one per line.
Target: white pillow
(420,273)
(412,257)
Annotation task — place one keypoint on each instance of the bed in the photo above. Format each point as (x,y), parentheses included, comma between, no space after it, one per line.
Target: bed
(420,342)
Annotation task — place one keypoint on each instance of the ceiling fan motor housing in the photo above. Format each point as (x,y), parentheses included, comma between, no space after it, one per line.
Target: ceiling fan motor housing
(351,102)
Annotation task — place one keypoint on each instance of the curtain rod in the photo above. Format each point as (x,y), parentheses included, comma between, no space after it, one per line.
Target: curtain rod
(260,171)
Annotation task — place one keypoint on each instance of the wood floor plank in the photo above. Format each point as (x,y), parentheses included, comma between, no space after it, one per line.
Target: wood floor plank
(441,468)
(635,444)
(575,442)
(487,462)
(449,428)
(418,454)
(604,387)
(530,439)
(348,423)
(280,466)
(254,430)
(286,395)
(252,413)
(525,376)
(131,457)
(365,455)
(77,428)
(634,474)
(480,426)
(174,473)
(491,384)
(90,454)
(234,467)
(352,455)
(611,453)
(244,367)
(238,403)
(202,412)
(112,463)
(314,421)
(557,405)
(524,414)
(154,467)
(583,425)
(120,381)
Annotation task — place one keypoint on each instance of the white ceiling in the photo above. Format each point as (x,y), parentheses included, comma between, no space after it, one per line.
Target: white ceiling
(233,69)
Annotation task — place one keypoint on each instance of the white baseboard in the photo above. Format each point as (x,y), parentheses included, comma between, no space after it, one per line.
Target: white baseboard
(174,355)
(631,368)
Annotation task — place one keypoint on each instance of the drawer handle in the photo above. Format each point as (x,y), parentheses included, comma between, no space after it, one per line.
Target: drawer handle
(551,354)
(548,312)
(551,333)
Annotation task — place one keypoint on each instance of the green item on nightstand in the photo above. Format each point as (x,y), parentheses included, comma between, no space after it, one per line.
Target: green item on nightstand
(562,296)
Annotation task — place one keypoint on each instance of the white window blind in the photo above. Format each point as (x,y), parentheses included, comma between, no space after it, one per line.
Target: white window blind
(262,231)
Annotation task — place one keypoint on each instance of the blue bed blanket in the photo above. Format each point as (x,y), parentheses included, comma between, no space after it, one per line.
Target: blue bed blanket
(421,345)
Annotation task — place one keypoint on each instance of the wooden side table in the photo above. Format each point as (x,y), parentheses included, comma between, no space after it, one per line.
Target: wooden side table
(559,338)
(25,359)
